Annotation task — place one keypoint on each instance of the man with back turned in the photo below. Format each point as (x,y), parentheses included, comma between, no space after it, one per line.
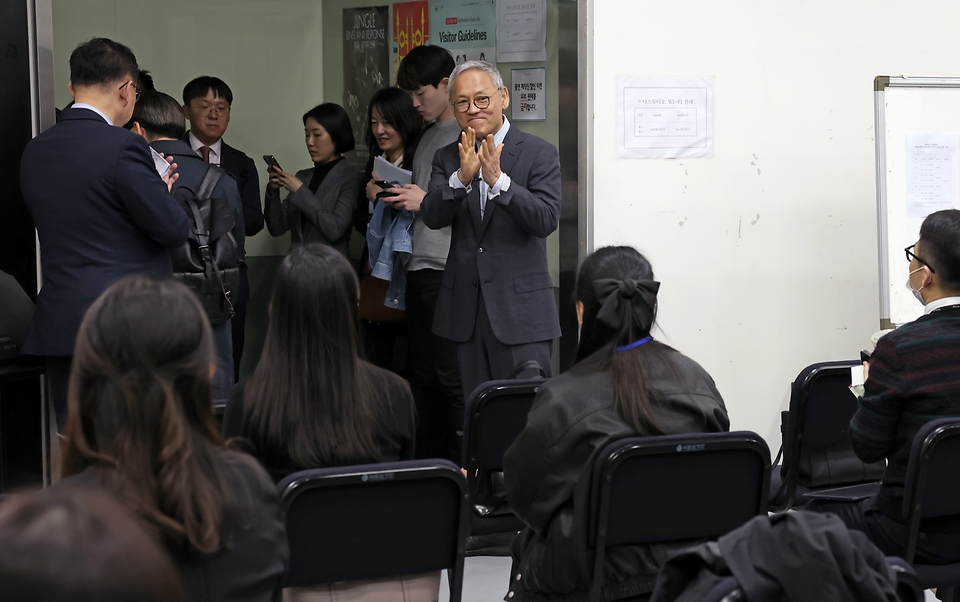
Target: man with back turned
(499,189)
(100,209)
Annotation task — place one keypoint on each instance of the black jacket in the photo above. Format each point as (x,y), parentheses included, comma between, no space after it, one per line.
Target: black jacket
(547,476)
(789,557)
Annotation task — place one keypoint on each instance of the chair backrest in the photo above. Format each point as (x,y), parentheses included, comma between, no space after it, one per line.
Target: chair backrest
(655,489)
(816,445)
(494,415)
(821,406)
(376,520)
(932,483)
(675,487)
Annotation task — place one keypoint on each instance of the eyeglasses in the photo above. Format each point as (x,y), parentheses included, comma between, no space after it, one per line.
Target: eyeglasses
(205,110)
(134,86)
(911,256)
(481,102)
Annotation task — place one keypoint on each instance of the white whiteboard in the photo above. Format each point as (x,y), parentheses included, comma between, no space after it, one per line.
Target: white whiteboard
(905,106)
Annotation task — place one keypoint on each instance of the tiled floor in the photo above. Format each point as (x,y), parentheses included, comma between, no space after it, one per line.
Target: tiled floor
(484,579)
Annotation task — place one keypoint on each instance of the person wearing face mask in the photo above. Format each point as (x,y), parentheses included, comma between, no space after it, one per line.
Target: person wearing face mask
(911,378)
(320,201)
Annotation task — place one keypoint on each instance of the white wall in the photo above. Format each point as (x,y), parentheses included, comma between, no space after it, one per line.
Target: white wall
(767,251)
(269,53)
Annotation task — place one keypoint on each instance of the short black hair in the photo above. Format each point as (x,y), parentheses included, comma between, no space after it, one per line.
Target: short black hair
(424,66)
(337,123)
(145,82)
(940,246)
(102,61)
(160,114)
(198,88)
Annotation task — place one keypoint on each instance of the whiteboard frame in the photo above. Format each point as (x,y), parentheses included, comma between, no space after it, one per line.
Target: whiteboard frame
(880,84)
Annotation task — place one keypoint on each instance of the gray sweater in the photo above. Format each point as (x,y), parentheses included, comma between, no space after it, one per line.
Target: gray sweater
(430,247)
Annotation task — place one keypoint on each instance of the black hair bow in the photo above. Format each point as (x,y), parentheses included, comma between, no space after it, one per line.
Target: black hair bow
(621,298)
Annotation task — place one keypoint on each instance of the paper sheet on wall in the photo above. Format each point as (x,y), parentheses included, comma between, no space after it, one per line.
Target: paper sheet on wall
(528,94)
(660,118)
(521,30)
(931,172)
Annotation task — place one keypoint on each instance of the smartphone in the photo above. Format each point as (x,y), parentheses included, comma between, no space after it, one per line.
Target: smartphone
(272,161)
(384,184)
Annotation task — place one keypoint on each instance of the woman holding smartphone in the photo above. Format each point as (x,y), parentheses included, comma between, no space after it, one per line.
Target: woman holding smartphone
(393,130)
(320,200)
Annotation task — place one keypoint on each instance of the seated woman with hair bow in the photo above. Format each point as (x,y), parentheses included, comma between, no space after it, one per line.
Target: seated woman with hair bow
(624,384)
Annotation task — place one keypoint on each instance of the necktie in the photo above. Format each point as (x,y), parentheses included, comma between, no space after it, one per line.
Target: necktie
(205,153)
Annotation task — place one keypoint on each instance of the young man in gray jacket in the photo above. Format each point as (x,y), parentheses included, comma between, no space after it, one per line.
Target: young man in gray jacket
(435,377)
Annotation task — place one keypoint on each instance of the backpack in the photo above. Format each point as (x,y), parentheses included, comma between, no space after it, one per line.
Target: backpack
(208,263)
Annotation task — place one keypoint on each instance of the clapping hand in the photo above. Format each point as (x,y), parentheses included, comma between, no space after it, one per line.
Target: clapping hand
(490,160)
(469,159)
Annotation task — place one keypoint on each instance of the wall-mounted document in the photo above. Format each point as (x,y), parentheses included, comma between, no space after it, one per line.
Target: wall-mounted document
(931,172)
(664,118)
(521,30)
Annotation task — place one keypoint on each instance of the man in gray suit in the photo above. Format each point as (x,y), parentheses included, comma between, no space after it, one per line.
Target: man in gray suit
(500,190)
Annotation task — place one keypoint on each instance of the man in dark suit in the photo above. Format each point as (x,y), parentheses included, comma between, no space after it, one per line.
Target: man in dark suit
(500,190)
(100,208)
(158,117)
(206,103)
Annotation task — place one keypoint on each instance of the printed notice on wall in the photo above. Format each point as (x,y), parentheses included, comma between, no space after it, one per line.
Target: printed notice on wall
(664,118)
(528,96)
(467,28)
(521,30)
(931,173)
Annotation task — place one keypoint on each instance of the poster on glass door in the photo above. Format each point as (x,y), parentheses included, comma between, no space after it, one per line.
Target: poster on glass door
(366,67)
(467,28)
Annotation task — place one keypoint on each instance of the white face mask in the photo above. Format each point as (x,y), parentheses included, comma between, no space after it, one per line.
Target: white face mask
(915,291)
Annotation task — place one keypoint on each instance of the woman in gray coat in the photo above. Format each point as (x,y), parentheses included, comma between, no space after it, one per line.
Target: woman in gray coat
(624,384)
(320,201)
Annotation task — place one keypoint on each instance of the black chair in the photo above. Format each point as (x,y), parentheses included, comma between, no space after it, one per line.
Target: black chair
(376,520)
(931,491)
(494,415)
(816,447)
(675,487)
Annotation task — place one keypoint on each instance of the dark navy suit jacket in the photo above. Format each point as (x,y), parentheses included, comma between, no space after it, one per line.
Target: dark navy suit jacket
(504,255)
(101,212)
(241,167)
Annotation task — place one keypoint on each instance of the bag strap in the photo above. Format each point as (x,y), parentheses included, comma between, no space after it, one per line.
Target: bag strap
(210,180)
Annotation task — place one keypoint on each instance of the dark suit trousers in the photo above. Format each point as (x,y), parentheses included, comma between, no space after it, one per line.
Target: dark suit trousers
(434,374)
(482,357)
(889,535)
(58,375)
(238,327)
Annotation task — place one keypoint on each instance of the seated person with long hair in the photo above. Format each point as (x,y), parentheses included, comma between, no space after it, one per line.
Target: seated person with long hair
(623,384)
(313,401)
(140,426)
